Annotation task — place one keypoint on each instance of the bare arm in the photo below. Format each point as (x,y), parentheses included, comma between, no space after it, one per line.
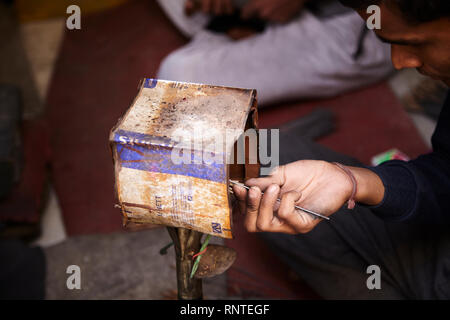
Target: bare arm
(317,185)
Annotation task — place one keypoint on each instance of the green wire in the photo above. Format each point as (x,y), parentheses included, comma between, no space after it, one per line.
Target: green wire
(197,260)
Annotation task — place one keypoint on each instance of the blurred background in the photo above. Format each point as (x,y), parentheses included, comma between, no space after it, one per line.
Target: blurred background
(62,90)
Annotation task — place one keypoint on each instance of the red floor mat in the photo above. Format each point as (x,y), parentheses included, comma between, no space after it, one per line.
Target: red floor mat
(368,122)
(95,79)
(26,201)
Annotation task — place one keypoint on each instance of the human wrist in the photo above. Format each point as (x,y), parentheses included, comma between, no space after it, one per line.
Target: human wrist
(370,188)
(350,188)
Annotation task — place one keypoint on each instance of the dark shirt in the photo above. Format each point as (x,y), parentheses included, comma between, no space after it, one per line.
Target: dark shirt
(419,190)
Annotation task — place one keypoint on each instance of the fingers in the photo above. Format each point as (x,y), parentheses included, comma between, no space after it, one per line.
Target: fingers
(290,215)
(260,212)
(250,9)
(217,7)
(189,7)
(261,183)
(221,7)
(268,11)
(268,201)
(276,16)
(228,7)
(277,177)
(206,6)
(259,208)
(241,197)
(251,215)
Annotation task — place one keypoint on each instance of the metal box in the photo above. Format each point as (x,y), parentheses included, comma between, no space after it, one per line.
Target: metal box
(169,121)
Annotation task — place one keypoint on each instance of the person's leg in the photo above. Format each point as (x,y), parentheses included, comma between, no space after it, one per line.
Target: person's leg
(330,259)
(333,258)
(327,260)
(305,58)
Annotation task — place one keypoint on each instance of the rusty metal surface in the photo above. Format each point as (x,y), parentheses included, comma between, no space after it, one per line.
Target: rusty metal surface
(150,187)
(216,260)
(175,109)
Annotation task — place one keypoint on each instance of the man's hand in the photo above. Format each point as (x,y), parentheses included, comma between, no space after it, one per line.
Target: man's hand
(280,11)
(315,185)
(215,7)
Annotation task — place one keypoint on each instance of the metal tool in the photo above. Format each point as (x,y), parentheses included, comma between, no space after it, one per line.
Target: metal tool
(315,214)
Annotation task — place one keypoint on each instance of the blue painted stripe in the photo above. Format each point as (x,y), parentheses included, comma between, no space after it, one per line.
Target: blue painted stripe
(157,158)
(150,83)
(130,137)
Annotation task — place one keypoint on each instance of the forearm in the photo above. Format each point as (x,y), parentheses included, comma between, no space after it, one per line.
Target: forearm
(370,188)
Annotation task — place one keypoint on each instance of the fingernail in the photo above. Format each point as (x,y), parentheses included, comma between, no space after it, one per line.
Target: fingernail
(253,192)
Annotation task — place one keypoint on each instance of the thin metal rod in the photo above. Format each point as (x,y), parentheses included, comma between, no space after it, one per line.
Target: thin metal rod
(297,207)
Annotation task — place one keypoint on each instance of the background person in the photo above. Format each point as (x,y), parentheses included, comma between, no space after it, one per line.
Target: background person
(308,49)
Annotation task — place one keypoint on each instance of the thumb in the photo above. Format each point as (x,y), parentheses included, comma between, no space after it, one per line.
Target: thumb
(276,177)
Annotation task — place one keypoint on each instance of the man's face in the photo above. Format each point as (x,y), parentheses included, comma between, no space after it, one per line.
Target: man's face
(425,46)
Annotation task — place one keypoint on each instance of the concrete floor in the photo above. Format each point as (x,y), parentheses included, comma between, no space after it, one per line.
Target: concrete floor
(115,266)
(120,266)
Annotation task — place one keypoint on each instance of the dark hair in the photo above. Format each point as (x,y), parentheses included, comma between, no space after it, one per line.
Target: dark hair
(414,11)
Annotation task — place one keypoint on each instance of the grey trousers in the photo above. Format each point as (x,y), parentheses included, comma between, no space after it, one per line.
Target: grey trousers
(414,260)
(308,57)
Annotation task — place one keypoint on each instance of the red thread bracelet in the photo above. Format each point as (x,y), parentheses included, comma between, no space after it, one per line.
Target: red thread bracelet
(351,202)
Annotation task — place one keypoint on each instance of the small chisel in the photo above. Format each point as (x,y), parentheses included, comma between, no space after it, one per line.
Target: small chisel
(315,214)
